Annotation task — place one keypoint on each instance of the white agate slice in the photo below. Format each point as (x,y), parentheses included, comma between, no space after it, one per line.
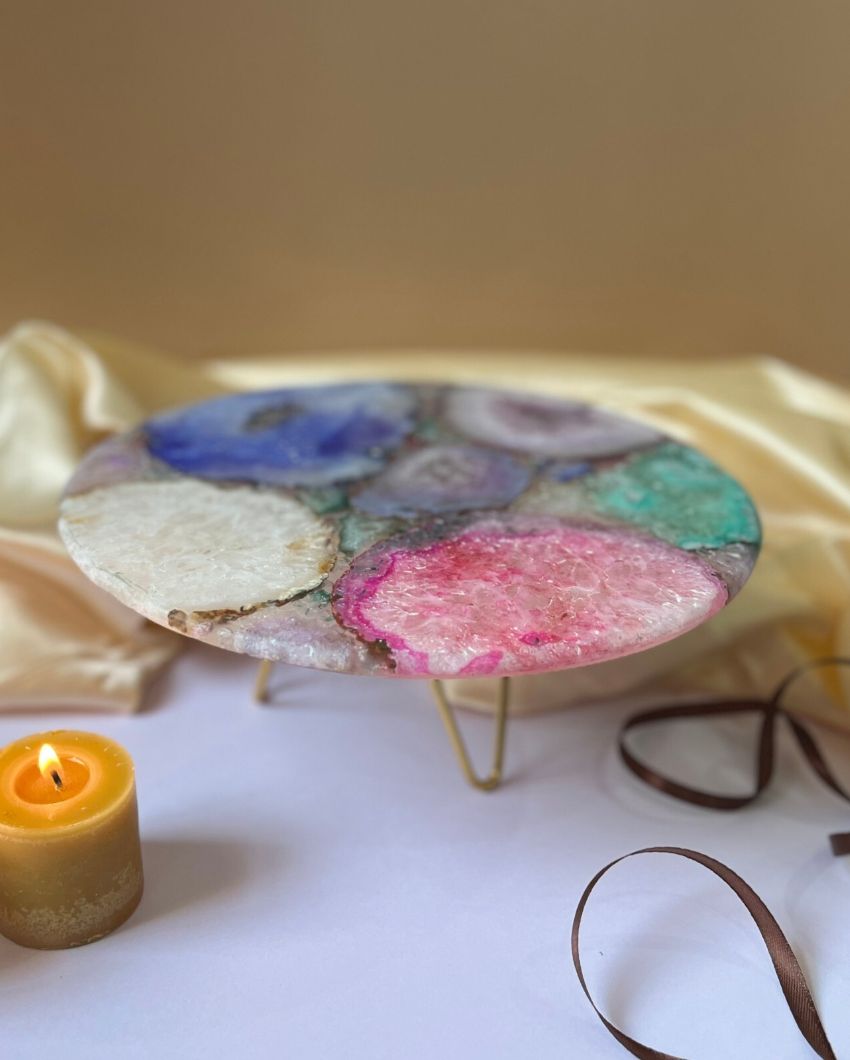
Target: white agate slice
(184,551)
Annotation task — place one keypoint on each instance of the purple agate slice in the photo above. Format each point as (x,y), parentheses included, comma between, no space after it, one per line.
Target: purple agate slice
(444,478)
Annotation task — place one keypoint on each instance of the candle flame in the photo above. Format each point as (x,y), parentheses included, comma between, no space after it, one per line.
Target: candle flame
(49,764)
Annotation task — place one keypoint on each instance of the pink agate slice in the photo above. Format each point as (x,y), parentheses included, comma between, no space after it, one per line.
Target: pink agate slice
(518,595)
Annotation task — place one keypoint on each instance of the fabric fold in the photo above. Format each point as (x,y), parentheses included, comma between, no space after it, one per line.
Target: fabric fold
(783,433)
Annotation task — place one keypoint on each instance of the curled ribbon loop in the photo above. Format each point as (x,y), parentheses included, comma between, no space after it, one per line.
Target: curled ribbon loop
(770,710)
(788,971)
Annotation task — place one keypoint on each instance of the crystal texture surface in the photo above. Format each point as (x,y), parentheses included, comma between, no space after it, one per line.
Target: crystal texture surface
(411,531)
(519,595)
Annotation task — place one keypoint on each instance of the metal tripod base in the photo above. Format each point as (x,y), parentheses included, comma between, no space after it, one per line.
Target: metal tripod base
(447,712)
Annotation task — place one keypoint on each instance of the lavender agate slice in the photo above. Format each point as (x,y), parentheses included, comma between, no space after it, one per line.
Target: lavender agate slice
(531,424)
(444,478)
(733,563)
(521,596)
(303,633)
(411,531)
(124,458)
(297,437)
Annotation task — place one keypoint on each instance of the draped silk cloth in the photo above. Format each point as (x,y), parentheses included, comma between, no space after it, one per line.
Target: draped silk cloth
(63,642)
(783,433)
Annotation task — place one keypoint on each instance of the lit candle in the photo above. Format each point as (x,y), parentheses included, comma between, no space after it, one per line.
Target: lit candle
(70,858)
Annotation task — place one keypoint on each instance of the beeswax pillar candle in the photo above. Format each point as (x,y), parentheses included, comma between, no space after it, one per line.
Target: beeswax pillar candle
(70,856)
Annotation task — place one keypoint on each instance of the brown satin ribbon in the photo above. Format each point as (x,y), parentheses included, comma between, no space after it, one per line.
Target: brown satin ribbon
(788,971)
(771,710)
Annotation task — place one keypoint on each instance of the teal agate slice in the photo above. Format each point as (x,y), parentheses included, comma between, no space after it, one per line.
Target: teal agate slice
(676,494)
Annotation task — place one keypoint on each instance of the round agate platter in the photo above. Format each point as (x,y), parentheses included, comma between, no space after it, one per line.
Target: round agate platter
(411,531)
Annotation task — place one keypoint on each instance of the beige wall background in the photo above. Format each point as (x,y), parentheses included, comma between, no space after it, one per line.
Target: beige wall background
(651,176)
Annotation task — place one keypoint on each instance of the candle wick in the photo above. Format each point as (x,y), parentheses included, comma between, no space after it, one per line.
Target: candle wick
(57,780)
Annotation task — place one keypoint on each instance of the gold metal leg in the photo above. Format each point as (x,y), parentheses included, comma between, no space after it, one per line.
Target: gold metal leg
(494,778)
(261,688)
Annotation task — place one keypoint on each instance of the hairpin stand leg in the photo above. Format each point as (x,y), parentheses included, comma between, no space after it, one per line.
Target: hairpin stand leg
(494,778)
(261,687)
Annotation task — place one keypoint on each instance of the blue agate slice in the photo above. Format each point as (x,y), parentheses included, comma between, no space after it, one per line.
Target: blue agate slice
(300,436)
(566,471)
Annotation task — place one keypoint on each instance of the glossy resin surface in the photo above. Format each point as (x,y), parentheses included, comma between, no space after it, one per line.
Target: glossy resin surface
(417,531)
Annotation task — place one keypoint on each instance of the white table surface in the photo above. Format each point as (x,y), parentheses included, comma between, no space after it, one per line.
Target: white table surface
(321,884)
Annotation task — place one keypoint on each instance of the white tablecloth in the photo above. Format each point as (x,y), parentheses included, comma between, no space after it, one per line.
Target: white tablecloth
(322,884)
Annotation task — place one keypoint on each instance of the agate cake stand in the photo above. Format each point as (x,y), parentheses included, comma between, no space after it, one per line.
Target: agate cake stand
(411,531)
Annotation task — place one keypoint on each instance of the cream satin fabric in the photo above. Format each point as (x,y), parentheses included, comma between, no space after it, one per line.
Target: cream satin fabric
(784,434)
(63,642)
